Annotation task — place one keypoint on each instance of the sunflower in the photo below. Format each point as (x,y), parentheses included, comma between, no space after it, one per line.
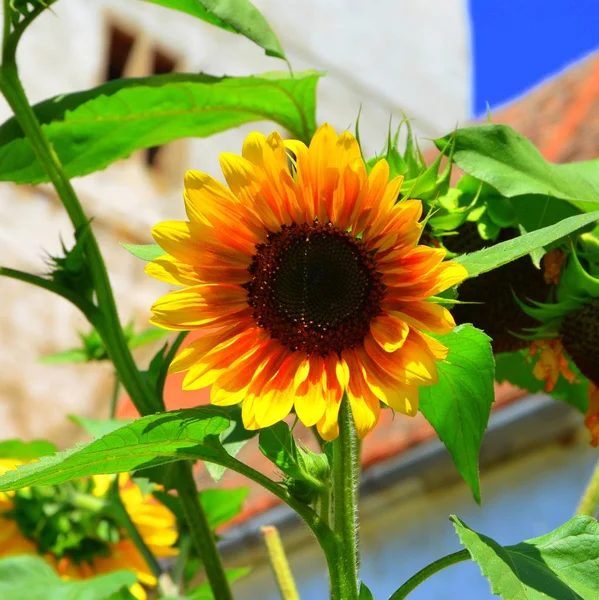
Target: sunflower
(306,276)
(32,521)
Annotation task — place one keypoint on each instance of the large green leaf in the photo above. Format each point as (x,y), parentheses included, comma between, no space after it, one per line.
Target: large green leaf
(237,16)
(563,565)
(91,129)
(516,368)
(509,162)
(500,254)
(31,578)
(459,405)
(147,442)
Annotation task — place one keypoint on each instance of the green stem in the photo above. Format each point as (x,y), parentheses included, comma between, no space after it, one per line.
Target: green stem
(129,526)
(330,543)
(590,498)
(86,307)
(114,397)
(279,563)
(414,581)
(200,532)
(345,473)
(108,324)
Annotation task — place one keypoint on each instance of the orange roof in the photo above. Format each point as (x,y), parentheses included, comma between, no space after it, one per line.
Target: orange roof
(561,117)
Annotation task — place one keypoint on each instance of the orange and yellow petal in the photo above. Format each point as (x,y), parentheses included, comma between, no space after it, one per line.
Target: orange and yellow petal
(591,419)
(551,363)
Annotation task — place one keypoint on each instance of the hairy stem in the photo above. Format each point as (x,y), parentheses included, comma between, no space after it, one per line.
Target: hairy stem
(345,473)
(201,534)
(414,581)
(589,502)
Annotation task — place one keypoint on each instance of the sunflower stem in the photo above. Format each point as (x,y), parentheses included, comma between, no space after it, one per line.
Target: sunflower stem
(345,473)
(105,316)
(589,501)
(107,322)
(200,531)
(128,525)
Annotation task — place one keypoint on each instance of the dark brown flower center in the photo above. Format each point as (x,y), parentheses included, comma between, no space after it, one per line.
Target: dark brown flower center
(314,287)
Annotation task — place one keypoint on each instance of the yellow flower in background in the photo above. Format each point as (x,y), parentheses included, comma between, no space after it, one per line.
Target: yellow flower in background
(551,363)
(306,276)
(591,418)
(92,554)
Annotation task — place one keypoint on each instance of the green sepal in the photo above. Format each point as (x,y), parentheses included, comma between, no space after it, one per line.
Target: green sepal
(576,281)
(71,270)
(306,473)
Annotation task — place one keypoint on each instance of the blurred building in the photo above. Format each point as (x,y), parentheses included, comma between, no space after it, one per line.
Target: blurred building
(410,57)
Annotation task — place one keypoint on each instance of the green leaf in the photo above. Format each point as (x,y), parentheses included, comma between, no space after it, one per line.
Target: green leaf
(516,368)
(505,252)
(237,16)
(146,252)
(203,592)
(222,505)
(72,356)
(91,129)
(509,162)
(21,450)
(563,565)
(31,578)
(365,593)
(233,439)
(147,336)
(147,442)
(459,405)
(98,427)
(305,469)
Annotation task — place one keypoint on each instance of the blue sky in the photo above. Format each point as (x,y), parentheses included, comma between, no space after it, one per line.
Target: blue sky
(518,43)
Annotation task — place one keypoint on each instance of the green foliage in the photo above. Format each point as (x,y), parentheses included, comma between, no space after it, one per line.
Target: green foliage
(516,368)
(505,252)
(510,163)
(459,405)
(147,442)
(146,252)
(98,427)
(30,578)
(203,592)
(91,129)
(71,271)
(307,472)
(93,348)
(237,16)
(220,505)
(563,565)
(365,593)
(233,439)
(21,450)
